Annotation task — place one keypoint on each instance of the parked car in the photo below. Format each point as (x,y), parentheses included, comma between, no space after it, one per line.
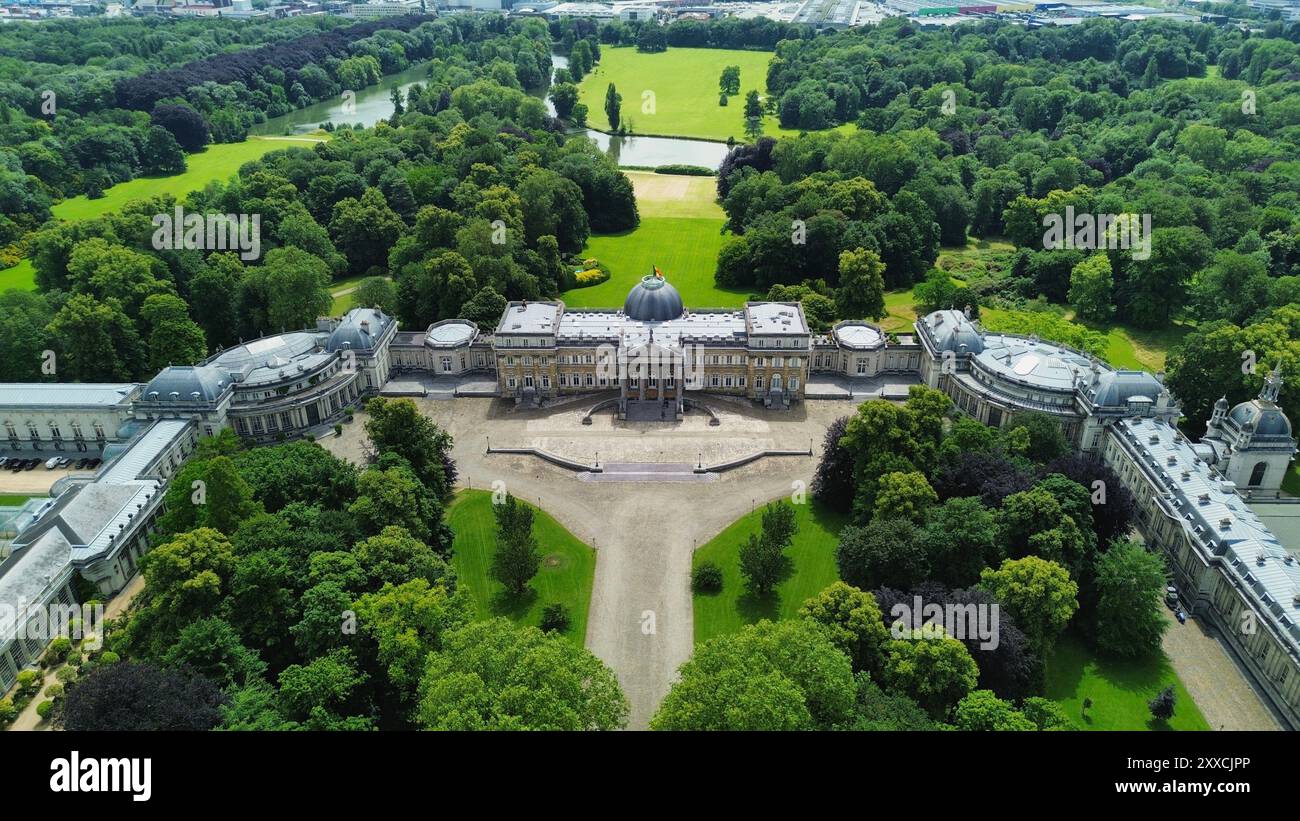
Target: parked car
(81,464)
(32,463)
(94,463)
(64,461)
(52,463)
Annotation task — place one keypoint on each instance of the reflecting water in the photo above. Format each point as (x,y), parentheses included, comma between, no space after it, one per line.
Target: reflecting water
(375,103)
(369,107)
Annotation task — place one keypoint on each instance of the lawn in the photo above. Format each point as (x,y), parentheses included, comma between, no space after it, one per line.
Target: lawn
(9,500)
(686,250)
(813,557)
(218,161)
(684,82)
(568,566)
(1119,689)
(21,276)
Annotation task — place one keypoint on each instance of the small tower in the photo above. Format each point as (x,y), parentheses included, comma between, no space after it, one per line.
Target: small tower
(1252,443)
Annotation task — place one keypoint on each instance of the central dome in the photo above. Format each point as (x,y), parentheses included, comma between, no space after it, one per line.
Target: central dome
(653,300)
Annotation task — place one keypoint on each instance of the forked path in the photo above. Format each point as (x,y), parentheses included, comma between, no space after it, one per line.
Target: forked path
(644,533)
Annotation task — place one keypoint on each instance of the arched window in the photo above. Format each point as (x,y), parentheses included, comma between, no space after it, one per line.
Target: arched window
(1257,475)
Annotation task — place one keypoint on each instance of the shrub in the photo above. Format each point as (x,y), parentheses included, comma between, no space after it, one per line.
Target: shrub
(58,651)
(555,618)
(54,691)
(338,430)
(591,276)
(109,657)
(44,708)
(706,578)
(66,674)
(681,169)
(29,682)
(8,712)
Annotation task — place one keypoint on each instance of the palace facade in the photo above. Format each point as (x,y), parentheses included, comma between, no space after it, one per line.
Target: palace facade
(651,356)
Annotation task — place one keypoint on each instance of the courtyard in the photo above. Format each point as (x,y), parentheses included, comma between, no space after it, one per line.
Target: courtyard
(644,532)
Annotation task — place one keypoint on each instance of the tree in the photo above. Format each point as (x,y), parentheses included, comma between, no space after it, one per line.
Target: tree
(485,308)
(904,495)
(1091,283)
(1162,706)
(324,693)
(763,561)
(960,538)
(729,81)
(187,579)
(135,696)
(786,675)
(288,291)
(185,124)
(395,557)
(174,338)
(852,620)
(565,97)
(930,666)
(885,553)
(1130,582)
(229,498)
(408,621)
(613,102)
(212,648)
(983,711)
(517,558)
(395,497)
(365,229)
(1039,595)
(397,426)
(862,285)
(161,154)
(875,710)
(494,675)
(1046,439)
(97,341)
(833,483)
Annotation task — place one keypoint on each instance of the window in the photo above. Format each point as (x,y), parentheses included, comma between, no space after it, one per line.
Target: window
(510,383)
(528,381)
(862,366)
(589,380)
(1257,475)
(564,380)
(742,382)
(758,382)
(546,382)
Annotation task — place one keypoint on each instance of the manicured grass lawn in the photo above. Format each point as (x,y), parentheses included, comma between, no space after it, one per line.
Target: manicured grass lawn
(686,250)
(812,553)
(216,162)
(1291,482)
(675,195)
(685,86)
(22,276)
(8,500)
(1140,348)
(1119,689)
(568,566)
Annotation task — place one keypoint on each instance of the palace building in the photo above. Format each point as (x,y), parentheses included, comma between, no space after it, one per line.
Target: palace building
(1194,499)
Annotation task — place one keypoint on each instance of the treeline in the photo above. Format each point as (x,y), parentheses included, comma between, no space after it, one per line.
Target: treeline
(142,92)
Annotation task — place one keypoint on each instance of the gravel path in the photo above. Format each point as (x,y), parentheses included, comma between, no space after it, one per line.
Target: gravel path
(1226,697)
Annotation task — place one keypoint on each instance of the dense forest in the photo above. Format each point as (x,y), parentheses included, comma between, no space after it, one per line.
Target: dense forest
(984,131)
(471,158)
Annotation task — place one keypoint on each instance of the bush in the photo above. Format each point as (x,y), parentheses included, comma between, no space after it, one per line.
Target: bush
(66,674)
(109,657)
(54,691)
(706,578)
(555,618)
(685,170)
(29,683)
(58,651)
(338,430)
(44,709)
(591,276)
(8,712)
